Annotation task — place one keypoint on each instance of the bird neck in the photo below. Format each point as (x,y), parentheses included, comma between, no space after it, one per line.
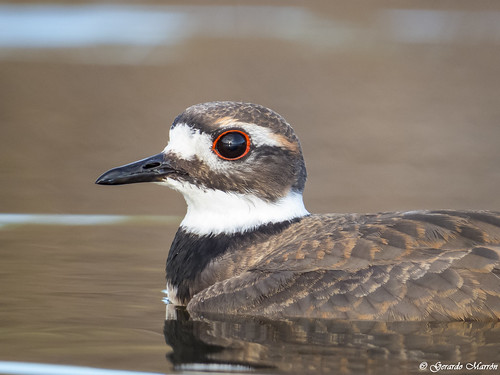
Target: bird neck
(213,212)
(192,255)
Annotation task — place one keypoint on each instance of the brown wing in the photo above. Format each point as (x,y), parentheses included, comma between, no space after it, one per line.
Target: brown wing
(416,265)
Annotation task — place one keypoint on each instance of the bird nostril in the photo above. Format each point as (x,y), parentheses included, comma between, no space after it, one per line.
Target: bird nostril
(151,165)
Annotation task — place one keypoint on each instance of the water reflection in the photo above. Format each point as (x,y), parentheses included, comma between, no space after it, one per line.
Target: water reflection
(442,26)
(26,368)
(79,220)
(42,26)
(63,26)
(304,345)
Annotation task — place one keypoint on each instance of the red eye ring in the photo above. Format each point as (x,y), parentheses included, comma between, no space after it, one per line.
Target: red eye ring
(227,147)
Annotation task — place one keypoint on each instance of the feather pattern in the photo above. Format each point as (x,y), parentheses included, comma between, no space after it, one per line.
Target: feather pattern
(248,245)
(434,265)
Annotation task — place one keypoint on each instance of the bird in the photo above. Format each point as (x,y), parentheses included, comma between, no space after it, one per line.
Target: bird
(248,246)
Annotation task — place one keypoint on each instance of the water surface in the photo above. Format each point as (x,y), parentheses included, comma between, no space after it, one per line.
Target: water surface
(91,295)
(86,295)
(396,106)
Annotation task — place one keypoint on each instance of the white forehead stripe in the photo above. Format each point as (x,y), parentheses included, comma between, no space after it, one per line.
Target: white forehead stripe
(215,212)
(186,142)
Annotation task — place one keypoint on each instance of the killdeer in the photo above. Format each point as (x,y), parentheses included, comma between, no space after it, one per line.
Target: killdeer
(247,244)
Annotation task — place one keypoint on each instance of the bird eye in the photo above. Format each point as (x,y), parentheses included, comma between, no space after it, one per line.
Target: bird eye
(232,145)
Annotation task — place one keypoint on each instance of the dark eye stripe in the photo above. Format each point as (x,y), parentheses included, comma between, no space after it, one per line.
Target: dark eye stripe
(232,145)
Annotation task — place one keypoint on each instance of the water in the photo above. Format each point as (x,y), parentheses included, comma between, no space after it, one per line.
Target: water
(40,26)
(396,108)
(83,295)
(91,295)
(323,346)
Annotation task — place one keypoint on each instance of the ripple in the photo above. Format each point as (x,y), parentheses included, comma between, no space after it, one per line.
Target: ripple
(26,368)
(79,220)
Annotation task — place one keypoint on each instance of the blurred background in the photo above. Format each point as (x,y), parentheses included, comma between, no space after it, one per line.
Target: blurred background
(397,103)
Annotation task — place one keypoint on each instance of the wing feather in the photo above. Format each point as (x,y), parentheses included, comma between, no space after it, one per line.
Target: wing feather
(418,265)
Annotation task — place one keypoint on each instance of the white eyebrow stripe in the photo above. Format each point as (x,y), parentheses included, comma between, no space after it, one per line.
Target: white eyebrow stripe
(187,142)
(259,135)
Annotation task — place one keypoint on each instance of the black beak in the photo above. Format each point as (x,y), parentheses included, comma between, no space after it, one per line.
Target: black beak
(151,169)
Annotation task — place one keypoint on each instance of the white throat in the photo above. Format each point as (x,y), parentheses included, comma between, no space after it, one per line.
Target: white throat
(214,212)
